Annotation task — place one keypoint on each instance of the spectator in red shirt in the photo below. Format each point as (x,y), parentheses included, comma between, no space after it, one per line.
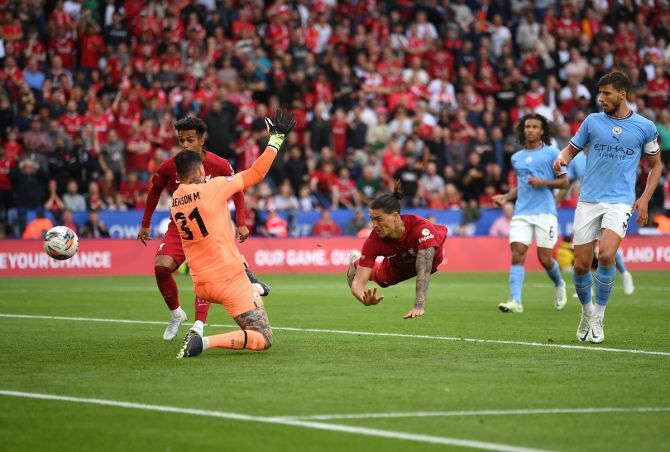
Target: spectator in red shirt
(275,225)
(62,45)
(131,189)
(344,190)
(322,182)
(6,193)
(326,227)
(338,128)
(657,89)
(91,45)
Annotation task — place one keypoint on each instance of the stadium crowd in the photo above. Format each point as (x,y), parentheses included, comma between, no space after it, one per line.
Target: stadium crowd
(427,92)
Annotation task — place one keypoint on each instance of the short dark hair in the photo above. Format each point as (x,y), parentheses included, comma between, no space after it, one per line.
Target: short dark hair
(389,202)
(619,80)
(187,162)
(546,128)
(191,123)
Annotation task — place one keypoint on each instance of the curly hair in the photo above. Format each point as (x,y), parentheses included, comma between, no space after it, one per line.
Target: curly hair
(191,123)
(546,128)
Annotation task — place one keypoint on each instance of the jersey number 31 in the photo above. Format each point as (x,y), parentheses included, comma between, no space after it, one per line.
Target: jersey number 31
(186,232)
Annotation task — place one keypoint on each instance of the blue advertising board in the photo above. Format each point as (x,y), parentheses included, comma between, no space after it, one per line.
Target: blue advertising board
(127,224)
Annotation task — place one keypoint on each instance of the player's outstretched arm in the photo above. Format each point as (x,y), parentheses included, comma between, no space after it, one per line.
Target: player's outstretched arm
(279,128)
(642,203)
(564,158)
(424,264)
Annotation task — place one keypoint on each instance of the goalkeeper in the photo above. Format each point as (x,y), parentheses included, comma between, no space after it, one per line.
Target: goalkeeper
(200,211)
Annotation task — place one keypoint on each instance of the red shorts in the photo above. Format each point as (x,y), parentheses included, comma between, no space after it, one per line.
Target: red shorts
(387,273)
(171,245)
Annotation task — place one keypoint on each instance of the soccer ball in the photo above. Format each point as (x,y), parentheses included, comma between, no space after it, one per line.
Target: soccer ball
(61,243)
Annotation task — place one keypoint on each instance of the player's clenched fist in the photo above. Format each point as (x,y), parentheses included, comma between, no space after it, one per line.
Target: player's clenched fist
(559,164)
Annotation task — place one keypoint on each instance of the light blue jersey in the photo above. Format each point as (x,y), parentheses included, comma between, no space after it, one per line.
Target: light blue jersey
(536,163)
(615,147)
(577,167)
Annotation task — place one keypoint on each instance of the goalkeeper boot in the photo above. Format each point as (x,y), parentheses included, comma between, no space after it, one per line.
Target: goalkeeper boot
(262,288)
(351,271)
(194,331)
(511,306)
(178,317)
(192,348)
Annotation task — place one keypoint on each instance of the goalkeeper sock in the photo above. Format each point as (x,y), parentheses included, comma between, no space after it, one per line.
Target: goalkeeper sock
(167,286)
(201,309)
(237,340)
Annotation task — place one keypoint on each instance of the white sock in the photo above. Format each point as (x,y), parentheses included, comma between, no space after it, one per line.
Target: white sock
(205,343)
(600,310)
(179,312)
(198,325)
(587,309)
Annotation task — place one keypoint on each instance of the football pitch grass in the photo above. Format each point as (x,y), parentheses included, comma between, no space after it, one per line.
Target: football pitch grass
(83,366)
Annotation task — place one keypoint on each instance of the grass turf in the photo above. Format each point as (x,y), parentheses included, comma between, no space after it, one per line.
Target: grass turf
(328,372)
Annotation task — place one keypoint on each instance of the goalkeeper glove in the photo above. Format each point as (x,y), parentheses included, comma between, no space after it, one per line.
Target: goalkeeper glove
(279,128)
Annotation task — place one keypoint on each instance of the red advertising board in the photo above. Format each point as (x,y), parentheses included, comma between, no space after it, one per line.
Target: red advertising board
(300,255)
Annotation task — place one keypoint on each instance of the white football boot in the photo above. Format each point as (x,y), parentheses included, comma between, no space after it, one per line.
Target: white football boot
(561,297)
(597,333)
(178,317)
(351,271)
(511,306)
(628,286)
(584,328)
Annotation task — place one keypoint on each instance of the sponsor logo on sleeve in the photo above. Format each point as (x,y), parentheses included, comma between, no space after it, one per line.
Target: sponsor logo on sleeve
(426,235)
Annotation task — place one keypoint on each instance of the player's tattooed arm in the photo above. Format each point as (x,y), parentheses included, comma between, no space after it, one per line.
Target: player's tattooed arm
(424,265)
(256,320)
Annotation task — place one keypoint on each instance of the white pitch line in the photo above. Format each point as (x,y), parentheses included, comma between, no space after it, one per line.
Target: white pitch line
(364,333)
(326,417)
(441,440)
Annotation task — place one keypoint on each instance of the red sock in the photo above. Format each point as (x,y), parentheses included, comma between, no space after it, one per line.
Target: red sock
(201,309)
(167,286)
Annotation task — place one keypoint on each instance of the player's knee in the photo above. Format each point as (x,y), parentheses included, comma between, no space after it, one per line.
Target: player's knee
(546,261)
(162,272)
(582,268)
(163,260)
(606,257)
(518,258)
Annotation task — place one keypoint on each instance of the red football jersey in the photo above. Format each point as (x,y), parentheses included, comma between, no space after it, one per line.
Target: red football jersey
(166,177)
(419,234)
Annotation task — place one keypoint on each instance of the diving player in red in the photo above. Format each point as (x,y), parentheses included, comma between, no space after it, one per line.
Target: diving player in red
(191,135)
(411,246)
